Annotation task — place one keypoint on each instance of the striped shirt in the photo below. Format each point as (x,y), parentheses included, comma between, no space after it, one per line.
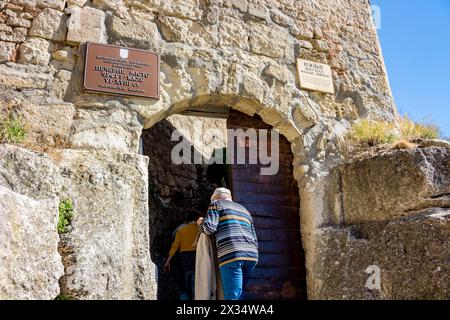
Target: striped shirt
(234,231)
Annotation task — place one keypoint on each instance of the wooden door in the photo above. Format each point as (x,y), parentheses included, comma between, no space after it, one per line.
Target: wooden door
(274,204)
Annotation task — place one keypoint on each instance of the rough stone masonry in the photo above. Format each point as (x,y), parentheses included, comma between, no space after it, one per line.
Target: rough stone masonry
(239,54)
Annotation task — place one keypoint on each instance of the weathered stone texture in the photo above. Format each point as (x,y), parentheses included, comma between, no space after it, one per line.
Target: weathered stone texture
(30,265)
(29,77)
(35,51)
(48,126)
(412,253)
(7,51)
(50,24)
(52,4)
(395,184)
(86,24)
(137,30)
(113,128)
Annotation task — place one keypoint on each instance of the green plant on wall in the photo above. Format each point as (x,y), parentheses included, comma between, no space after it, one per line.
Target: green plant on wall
(64,296)
(65,215)
(12,130)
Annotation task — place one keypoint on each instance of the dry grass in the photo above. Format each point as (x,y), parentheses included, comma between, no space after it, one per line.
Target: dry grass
(369,137)
(409,130)
(370,133)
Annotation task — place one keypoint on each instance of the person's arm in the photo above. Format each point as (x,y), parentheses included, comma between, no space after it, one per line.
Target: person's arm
(173,249)
(210,223)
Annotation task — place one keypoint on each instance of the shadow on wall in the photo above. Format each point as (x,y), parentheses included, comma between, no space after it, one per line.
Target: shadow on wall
(173,191)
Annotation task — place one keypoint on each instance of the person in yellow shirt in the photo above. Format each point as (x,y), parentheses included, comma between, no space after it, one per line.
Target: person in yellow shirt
(184,244)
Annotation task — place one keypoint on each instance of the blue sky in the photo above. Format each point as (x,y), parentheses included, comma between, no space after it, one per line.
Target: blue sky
(415,38)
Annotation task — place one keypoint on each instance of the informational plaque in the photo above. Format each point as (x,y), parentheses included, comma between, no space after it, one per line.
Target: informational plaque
(315,76)
(122,71)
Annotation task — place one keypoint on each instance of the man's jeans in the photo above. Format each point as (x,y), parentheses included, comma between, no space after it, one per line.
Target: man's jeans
(188,265)
(235,276)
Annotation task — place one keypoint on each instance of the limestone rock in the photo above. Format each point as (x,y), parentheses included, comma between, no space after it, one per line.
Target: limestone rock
(47,125)
(5,28)
(233,33)
(135,31)
(86,24)
(113,128)
(278,72)
(187,9)
(108,243)
(64,58)
(258,10)
(395,184)
(24,77)
(35,51)
(50,24)
(412,255)
(29,4)
(30,266)
(78,3)
(241,5)
(116,6)
(187,31)
(271,42)
(13,34)
(7,51)
(321,45)
(28,173)
(18,22)
(61,86)
(52,4)
(26,15)
(435,143)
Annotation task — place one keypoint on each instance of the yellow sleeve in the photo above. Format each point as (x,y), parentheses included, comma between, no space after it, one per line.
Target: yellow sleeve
(175,245)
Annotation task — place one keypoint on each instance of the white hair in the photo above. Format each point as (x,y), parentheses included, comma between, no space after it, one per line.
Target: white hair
(221,194)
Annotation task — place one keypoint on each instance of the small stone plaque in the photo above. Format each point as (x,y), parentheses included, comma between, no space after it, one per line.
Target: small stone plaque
(122,71)
(315,76)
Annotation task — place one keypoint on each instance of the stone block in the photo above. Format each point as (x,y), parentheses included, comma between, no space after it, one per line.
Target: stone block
(395,184)
(107,247)
(35,51)
(18,22)
(52,4)
(410,254)
(50,24)
(30,265)
(86,24)
(7,51)
(269,41)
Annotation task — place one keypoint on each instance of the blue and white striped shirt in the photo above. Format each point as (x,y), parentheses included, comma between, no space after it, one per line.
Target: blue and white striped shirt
(235,233)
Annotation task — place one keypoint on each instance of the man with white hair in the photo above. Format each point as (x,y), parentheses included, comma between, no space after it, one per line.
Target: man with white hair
(237,245)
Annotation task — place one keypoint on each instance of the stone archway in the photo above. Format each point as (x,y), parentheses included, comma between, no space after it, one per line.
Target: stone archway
(166,205)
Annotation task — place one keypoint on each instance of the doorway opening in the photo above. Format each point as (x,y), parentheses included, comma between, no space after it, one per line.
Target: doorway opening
(274,202)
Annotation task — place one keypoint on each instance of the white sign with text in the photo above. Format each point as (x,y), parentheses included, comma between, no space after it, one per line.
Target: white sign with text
(315,76)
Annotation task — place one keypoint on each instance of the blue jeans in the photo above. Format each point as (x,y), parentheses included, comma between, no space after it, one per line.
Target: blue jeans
(235,276)
(187,260)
